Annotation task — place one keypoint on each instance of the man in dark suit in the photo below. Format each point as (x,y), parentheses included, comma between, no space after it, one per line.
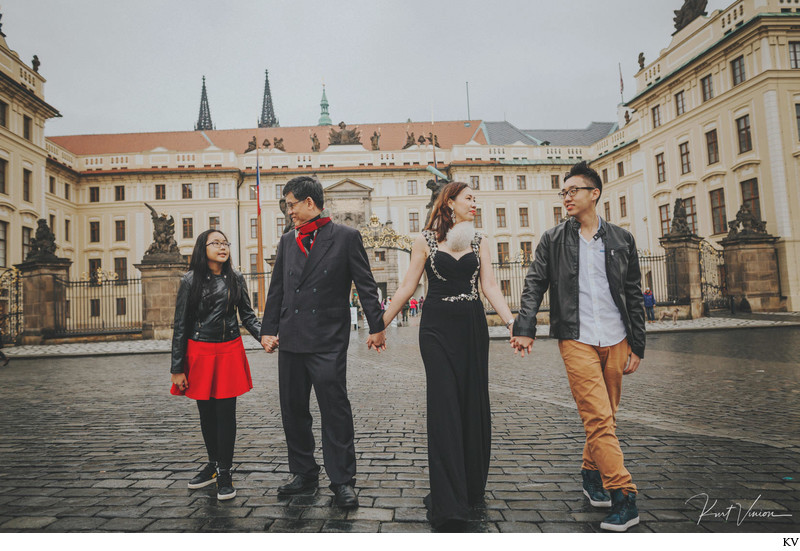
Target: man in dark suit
(308,309)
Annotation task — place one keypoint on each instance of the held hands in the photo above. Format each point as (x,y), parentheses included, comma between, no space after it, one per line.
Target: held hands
(633,364)
(378,341)
(522,344)
(179,380)
(270,343)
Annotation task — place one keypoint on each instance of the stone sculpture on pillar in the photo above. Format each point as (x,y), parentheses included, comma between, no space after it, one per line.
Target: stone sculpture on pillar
(164,248)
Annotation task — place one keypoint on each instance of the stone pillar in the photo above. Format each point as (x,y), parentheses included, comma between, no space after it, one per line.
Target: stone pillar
(751,267)
(683,271)
(160,282)
(41,296)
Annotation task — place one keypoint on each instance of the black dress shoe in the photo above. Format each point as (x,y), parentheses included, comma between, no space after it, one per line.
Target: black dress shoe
(344,496)
(299,484)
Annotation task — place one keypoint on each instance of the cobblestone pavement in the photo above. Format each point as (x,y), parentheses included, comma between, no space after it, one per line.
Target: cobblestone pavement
(98,444)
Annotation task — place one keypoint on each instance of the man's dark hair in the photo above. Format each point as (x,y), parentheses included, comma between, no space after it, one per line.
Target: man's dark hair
(583,169)
(305,186)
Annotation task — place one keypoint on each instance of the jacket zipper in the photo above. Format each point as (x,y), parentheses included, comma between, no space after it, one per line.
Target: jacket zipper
(227,300)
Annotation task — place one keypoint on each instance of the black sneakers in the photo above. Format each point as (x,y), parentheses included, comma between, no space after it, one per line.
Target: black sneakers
(225,489)
(205,477)
(624,513)
(593,489)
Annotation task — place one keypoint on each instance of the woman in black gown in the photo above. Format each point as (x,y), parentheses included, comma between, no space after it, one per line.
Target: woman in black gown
(454,342)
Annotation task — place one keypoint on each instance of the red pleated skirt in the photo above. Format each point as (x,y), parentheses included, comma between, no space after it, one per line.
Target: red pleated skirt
(215,370)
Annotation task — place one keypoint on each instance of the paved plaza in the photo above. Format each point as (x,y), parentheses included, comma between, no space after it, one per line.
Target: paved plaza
(95,442)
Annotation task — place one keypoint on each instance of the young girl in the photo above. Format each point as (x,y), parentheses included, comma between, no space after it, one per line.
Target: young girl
(208,359)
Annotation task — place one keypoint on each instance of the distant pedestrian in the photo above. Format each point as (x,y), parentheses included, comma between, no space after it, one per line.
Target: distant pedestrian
(405,310)
(209,363)
(421,301)
(413,305)
(649,305)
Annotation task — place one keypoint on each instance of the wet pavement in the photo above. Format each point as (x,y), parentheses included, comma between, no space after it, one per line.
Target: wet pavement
(97,443)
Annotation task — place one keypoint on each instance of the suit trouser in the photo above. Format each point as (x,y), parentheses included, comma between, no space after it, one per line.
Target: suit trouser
(595,378)
(326,372)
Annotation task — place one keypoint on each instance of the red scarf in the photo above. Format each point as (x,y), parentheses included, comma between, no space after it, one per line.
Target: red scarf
(308,230)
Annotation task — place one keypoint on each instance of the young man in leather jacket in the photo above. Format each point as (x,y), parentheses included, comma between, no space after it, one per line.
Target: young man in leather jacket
(597,312)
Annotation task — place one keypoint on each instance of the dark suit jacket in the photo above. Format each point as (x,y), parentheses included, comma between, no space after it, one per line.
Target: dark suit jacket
(308,303)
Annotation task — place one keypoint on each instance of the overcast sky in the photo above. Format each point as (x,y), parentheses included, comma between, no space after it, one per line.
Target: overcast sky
(136,66)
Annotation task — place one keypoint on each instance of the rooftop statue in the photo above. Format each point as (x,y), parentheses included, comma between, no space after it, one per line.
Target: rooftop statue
(344,136)
(691,10)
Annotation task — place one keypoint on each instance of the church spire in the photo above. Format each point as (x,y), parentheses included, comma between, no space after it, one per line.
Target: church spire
(204,118)
(268,119)
(324,118)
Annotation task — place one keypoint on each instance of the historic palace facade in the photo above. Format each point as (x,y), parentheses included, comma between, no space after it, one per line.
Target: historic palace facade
(715,121)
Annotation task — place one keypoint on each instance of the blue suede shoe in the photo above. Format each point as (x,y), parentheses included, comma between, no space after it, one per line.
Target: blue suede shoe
(624,513)
(593,489)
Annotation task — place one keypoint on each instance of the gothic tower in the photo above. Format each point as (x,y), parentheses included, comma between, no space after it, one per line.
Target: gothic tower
(324,118)
(268,119)
(204,118)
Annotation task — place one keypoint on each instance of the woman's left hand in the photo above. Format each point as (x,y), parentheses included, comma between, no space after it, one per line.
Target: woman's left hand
(179,380)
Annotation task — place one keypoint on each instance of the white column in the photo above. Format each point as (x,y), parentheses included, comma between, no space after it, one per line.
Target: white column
(776,164)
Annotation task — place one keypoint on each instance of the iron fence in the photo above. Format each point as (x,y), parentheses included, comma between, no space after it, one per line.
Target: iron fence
(11,314)
(253,280)
(98,306)
(655,276)
(510,277)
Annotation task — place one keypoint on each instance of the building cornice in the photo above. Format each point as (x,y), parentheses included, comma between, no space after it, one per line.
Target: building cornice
(48,110)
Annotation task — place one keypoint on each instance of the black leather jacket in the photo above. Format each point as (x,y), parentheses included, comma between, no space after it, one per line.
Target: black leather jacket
(209,321)
(556,266)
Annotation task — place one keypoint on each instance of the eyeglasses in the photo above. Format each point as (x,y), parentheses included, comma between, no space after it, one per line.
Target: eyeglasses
(291,204)
(572,192)
(219,244)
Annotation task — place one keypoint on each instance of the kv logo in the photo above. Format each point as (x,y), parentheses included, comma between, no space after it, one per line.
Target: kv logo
(790,542)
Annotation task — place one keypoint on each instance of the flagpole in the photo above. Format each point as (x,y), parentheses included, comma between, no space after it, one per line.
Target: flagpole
(260,253)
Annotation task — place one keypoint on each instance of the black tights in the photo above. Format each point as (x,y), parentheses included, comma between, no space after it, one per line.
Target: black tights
(218,423)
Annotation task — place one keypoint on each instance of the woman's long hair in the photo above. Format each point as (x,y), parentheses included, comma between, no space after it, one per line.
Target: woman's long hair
(199,265)
(441,214)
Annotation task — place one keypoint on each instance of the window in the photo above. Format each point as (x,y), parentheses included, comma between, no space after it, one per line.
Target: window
(663,213)
(4,173)
(607,210)
(3,114)
(680,104)
(796,114)
(502,253)
(794,55)
(161,191)
(558,215)
(413,222)
(53,222)
(213,222)
(605,175)
(253,228)
(475,182)
(67,224)
(119,230)
(280,225)
(620,169)
(686,162)
(278,191)
(254,193)
(26,184)
(521,183)
(555,181)
(188,228)
(501,218)
(253,263)
(505,287)
(719,219)
(52,184)
(691,213)
(526,248)
(26,241)
(4,245)
(380,256)
(66,191)
(94,232)
(656,116)
(186,191)
(119,193)
(411,187)
(524,221)
(708,87)
(743,130)
(623,207)
(121,268)
(213,190)
(712,146)
(94,267)
(94,194)
(121,306)
(94,304)
(750,197)
(661,169)
(498,183)
(27,127)
(478,218)
(737,69)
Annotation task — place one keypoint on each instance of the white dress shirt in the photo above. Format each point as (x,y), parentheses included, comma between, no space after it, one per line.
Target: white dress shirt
(600,321)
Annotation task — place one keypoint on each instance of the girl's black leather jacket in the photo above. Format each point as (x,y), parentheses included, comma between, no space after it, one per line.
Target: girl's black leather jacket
(211,320)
